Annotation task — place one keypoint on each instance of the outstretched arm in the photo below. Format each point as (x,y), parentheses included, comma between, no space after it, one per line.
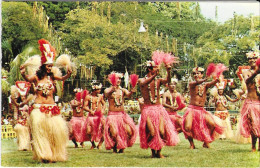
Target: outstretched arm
(63,78)
(168,78)
(28,78)
(145,81)
(249,79)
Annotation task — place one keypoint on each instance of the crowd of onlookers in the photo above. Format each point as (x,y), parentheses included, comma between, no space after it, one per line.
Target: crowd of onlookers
(7,120)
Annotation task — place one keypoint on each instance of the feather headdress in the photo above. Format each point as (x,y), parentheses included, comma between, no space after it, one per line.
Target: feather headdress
(32,64)
(157,57)
(133,79)
(113,77)
(48,52)
(169,59)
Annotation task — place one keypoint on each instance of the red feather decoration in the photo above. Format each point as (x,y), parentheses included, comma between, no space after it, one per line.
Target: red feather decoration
(211,69)
(113,78)
(180,103)
(258,62)
(41,42)
(168,59)
(84,94)
(157,57)
(78,96)
(133,79)
(220,68)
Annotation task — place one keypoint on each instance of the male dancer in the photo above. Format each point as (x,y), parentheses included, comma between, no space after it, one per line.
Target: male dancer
(172,101)
(156,129)
(197,122)
(120,130)
(78,121)
(95,105)
(250,112)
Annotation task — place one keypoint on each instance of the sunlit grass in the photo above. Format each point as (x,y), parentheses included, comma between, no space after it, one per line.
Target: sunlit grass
(223,153)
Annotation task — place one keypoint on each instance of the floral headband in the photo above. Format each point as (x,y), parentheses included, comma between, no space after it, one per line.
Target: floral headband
(96,87)
(252,54)
(174,80)
(119,75)
(150,63)
(76,90)
(198,69)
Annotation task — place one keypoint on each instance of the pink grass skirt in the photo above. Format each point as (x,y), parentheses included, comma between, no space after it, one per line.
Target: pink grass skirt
(78,125)
(154,112)
(199,129)
(95,122)
(119,121)
(250,118)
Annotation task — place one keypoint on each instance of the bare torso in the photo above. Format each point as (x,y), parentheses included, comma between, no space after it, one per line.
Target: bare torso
(44,91)
(77,108)
(116,99)
(150,94)
(251,86)
(198,94)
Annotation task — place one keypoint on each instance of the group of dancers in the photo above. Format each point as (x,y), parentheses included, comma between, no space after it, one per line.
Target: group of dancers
(159,124)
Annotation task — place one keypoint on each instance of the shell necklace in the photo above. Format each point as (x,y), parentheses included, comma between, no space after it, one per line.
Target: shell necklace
(201,89)
(153,101)
(119,102)
(91,100)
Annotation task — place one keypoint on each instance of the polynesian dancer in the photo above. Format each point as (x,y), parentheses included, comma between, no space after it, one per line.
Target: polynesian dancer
(197,122)
(22,129)
(250,112)
(49,130)
(120,131)
(77,124)
(173,102)
(94,104)
(156,129)
(221,104)
(21,98)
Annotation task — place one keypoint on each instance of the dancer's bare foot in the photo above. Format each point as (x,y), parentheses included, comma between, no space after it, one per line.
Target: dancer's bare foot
(82,144)
(121,151)
(159,155)
(205,145)
(45,161)
(192,147)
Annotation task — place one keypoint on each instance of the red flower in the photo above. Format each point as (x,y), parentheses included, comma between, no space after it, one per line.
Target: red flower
(43,109)
(55,110)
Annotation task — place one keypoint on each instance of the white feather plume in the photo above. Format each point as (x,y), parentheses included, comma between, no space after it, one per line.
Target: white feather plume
(238,92)
(63,61)
(32,64)
(14,91)
(214,91)
(56,71)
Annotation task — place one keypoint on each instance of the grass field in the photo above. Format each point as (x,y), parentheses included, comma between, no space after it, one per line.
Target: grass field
(223,153)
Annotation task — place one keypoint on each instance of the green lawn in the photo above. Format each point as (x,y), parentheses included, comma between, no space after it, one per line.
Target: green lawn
(223,153)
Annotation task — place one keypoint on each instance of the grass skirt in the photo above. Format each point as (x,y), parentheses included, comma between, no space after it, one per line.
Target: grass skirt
(225,122)
(238,138)
(199,129)
(78,127)
(250,118)
(49,136)
(23,137)
(154,112)
(119,121)
(95,122)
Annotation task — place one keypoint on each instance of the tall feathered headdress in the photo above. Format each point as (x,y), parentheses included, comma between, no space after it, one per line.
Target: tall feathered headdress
(48,52)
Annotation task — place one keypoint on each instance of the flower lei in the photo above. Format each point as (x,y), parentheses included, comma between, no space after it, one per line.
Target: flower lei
(171,101)
(120,102)
(47,109)
(155,92)
(222,100)
(91,100)
(201,89)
